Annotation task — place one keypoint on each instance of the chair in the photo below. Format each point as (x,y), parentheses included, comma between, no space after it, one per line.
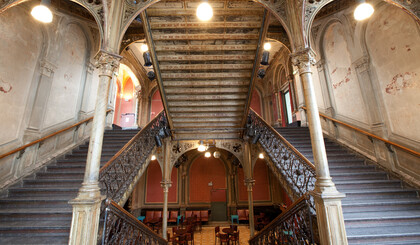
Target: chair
(224,238)
(234,238)
(149,216)
(188,214)
(190,234)
(234,227)
(197,221)
(173,217)
(242,215)
(204,215)
(216,233)
(180,240)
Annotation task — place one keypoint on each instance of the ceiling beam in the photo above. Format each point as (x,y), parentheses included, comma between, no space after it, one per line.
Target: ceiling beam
(204,91)
(233,57)
(206,97)
(206,67)
(205,83)
(201,25)
(161,12)
(178,48)
(206,75)
(205,36)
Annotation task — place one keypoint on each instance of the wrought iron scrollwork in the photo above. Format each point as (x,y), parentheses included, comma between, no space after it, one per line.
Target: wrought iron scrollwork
(294,226)
(120,227)
(298,171)
(118,174)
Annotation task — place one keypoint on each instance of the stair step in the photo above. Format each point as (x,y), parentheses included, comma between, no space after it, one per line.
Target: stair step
(52,182)
(44,175)
(70,192)
(36,202)
(362,184)
(380,193)
(380,205)
(63,214)
(56,239)
(359,176)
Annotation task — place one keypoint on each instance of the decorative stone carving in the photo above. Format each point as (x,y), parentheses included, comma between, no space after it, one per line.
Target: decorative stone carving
(303,59)
(362,64)
(107,63)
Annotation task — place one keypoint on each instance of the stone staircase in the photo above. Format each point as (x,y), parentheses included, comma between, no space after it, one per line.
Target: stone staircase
(377,209)
(37,210)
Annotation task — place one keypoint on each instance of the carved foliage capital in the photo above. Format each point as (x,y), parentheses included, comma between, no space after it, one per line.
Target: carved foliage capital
(362,64)
(108,63)
(303,59)
(47,68)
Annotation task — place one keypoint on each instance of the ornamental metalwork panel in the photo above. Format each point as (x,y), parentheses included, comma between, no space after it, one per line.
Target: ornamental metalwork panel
(294,226)
(118,174)
(120,227)
(298,171)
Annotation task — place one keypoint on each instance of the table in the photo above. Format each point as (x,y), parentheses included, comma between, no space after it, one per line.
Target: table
(228,230)
(233,217)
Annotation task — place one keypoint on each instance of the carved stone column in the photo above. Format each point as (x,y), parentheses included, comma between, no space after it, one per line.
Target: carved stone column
(279,121)
(86,206)
(327,198)
(166,183)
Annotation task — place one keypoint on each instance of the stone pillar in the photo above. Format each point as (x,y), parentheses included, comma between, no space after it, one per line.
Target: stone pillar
(327,198)
(279,115)
(249,184)
(86,206)
(165,185)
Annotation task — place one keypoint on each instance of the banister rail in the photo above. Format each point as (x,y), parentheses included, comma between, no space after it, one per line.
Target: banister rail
(116,176)
(121,227)
(46,137)
(295,168)
(369,134)
(293,226)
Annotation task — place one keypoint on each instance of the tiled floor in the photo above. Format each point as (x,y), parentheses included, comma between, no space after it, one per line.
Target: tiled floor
(206,235)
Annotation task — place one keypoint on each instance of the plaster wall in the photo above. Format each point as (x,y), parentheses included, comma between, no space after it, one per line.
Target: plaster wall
(345,87)
(393,37)
(20,51)
(67,83)
(317,87)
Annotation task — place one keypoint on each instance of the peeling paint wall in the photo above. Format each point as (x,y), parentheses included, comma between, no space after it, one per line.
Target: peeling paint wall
(62,102)
(346,91)
(393,40)
(25,47)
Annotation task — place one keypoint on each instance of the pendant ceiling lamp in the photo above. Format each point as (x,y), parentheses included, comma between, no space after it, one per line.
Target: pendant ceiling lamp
(42,13)
(204,11)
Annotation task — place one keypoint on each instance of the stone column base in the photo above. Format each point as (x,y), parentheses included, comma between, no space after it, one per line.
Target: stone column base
(332,230)
(85,221)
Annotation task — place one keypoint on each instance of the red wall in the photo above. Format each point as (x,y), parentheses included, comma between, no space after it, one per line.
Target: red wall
(154,192)
(261,190)
(256,102)
(202,171)
(157,105)
(117,115)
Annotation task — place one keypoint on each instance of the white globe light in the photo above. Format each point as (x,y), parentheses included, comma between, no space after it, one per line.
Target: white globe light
(216,154)
(207,154)
(144,48)
(204,11)
(153,158)
(42,13)
(261,156)
(267,46)
(201,148)
(363,11)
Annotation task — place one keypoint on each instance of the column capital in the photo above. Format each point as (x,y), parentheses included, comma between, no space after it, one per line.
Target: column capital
(107,62)
(303,59)
(90,67)
(249,182)
(320,65)
(166,184)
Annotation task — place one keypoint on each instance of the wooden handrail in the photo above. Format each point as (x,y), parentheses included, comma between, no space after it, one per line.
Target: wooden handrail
(287,142)
(369,134)
(46,137)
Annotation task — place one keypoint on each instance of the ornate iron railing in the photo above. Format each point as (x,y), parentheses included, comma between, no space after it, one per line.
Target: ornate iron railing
(120,227)
(120,171)
(295,168)
(294,226)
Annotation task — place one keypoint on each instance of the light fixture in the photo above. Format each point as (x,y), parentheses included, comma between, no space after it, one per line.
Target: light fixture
(144,47)
(207,154)
(363,11)
(201,147)
(267,46)
(261,156)
(42,13)
(147,59)
(265,58)
(153,158)
(158,141)
(204,11)
(216,154)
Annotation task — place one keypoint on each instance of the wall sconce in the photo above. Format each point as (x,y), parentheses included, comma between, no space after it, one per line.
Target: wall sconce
(256,138)
(151,75)
(207,154)
(261,156)
(147,59)
(363,11)
(265,58)
(153,158)
(261,73)
(216,154)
